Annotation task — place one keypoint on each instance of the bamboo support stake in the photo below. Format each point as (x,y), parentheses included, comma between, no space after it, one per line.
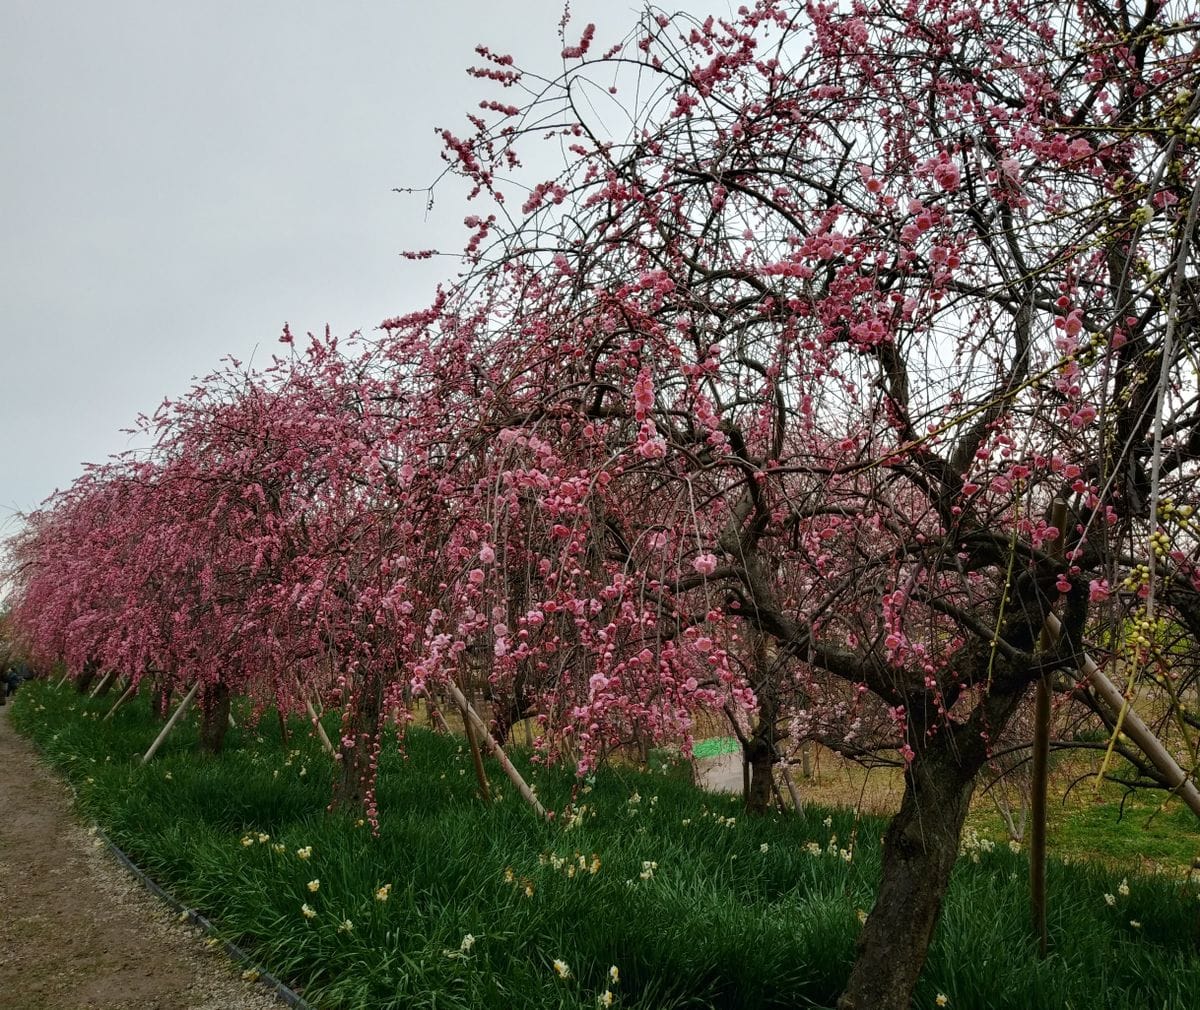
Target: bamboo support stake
(101,684)
(1135,729)
(793,792)
(183,707)
(1040,784)
(316,721)
(129,692)
(514,776)
(485,792)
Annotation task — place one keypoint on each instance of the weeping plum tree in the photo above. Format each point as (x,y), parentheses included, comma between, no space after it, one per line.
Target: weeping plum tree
(257,549)
(804,351)
(760,405)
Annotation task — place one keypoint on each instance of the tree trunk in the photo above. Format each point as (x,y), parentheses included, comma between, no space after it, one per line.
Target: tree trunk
(86,678)
(357,757)
(214,718)
(760,753)
(919,851)
(760,757)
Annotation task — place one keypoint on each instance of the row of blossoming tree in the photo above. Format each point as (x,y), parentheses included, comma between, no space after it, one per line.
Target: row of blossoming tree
(763,404)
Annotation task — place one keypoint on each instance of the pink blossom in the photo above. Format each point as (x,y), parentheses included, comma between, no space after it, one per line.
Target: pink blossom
(643,394)
(947,175)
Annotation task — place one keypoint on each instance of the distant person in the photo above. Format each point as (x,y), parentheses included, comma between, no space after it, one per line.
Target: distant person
(16,674)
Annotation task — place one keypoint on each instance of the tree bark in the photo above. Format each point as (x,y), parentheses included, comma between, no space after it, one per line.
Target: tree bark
(356,759)
(760,751)
(919,852)
(760,757)
(87,677)
(214,719)
(920,848)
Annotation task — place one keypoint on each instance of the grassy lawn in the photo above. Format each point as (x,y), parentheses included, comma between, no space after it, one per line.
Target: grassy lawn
(693,903)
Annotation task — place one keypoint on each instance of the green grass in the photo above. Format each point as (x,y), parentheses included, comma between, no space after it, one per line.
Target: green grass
(1140,830)
(720,923)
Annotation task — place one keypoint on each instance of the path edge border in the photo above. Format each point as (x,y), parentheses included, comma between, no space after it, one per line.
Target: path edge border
(265,978)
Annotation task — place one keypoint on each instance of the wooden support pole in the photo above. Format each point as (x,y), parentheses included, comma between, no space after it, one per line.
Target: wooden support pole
(485,793)
(793,792)
(1039,787)
(514,776)
(102,683)
(128,693)
(1135,729)
(316,721)
(1040,784)
(183,707)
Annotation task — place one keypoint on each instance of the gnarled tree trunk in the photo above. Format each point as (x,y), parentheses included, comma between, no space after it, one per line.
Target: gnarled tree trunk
(759,752)
(919,851)
(214,717)
(87,677)
(356,752)
(761,759)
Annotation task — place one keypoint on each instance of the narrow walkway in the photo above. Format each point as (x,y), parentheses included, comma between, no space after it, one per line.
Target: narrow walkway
(76,932)
(721,773)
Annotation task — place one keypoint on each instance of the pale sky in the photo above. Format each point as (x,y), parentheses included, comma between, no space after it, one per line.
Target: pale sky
(179,179)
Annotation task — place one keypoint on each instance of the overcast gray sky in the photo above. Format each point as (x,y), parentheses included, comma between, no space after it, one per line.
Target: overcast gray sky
(178,179)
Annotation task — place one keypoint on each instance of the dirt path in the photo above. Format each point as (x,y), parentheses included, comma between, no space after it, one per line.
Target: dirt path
(76,932)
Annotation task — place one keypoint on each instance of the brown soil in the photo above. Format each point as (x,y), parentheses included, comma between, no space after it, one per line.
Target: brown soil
(76,931)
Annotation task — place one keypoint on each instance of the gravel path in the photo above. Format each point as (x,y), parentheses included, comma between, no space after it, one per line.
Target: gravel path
(76,931)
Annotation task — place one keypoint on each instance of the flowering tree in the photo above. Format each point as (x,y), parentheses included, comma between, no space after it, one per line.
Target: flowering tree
(760,405)
(804,354)
(248,553)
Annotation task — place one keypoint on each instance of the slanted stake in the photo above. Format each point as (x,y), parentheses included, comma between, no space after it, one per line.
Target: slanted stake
(178,714)
(1135,729)
(514,776)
